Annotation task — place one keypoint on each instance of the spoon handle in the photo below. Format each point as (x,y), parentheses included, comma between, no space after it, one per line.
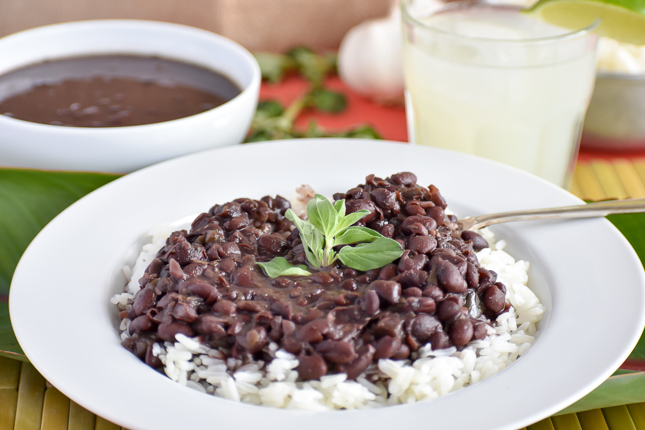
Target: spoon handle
(578,211)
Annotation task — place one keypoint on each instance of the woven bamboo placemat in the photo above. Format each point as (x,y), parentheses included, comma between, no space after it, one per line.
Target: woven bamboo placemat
(28,402)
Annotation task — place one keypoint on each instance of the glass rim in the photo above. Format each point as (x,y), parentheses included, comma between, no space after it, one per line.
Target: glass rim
(461,4)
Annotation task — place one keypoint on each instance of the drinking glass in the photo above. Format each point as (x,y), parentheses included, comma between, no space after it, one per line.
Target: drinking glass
(489,80)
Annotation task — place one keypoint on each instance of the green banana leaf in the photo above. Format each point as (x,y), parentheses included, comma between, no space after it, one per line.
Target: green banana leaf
(620,389)
(29,199)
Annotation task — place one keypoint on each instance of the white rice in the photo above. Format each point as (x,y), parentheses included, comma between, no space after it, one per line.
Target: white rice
(429,375)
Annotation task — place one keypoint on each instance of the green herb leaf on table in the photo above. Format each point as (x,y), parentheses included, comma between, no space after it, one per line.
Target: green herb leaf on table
(269,109)
(272,121)
(279,266)
(29,200)
(327,101)
(274,66)
(311,65)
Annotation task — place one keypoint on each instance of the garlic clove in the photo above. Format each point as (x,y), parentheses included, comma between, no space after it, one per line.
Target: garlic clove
(370,59)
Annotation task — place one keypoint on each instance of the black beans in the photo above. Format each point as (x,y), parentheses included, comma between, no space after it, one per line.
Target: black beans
(417,262)
(422,244)
(423,326)
(211,325)
(143,300)
(494,299)
(202,289)
(225,307)
(404,178)
(167,331)
(390,324)
(336,351)
(388,291)
(448,309)
(425,221)
(365,355)
(386,347)
(478,241)
(355,205)
(206,282)
(440,340)
(461,332)
(371,303)
(449,277)
(311,367)
(384,198)
(272,243)
(141,323)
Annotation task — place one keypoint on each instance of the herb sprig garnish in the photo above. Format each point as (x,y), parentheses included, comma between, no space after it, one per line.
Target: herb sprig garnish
(274,121)
(326,228)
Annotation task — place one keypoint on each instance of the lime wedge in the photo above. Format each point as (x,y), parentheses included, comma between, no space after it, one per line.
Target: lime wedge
(621,20)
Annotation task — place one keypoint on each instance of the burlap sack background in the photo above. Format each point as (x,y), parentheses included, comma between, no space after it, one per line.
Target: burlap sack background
(274,25)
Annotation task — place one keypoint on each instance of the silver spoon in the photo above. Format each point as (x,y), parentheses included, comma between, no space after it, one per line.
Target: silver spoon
(578,211)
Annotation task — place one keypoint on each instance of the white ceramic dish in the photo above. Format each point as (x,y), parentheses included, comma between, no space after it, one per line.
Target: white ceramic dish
(62,317)
(614,120)
(125,149)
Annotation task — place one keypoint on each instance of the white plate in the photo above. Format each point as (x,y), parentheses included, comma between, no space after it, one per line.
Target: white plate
(584,272)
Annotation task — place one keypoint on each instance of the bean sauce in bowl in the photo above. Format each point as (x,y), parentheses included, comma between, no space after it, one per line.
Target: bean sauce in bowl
(72,269)
(118,95)
(111,91)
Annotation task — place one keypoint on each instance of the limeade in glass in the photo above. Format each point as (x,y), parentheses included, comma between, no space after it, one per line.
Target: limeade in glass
(490,81)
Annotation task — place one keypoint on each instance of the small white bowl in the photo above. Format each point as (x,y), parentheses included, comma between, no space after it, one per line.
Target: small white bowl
(125,149)
(614,119)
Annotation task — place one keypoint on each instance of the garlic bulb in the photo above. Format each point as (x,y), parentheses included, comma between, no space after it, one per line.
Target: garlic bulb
(370,60)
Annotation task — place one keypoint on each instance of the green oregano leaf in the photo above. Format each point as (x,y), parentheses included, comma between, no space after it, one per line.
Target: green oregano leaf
(352,219)
(368,256)
(357,235)
(328,101)
(311,238)
(279,266)
(328,227)
(323,215)
(340,208)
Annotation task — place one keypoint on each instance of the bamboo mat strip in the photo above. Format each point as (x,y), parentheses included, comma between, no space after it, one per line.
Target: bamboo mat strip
(637,412)
(102,424)
(8,404)
(26,402)
(566,422)
(574,187)
(629,177)
(55,410)
(545,424)
(592,420)
(609,180)
(588,186)
(9,373)
(80,418)
(31,394)
(618,417)
(639,166)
